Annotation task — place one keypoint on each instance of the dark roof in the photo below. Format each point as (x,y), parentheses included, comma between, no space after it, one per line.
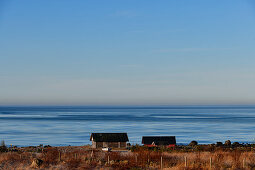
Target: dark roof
(109,137)
(158,140)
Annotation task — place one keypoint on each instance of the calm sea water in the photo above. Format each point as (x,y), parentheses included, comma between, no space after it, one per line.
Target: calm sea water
(57,126)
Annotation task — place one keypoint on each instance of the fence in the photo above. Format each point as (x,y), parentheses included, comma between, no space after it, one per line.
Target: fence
(156,160)
(141,159)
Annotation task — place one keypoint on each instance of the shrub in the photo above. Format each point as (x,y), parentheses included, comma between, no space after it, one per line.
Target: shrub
(2,143)
(227,143)
(134,148)
(193,143)
(3,147)
(219,143)
(235,144)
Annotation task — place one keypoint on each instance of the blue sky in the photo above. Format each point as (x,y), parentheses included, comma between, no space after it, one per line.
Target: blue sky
(131,52)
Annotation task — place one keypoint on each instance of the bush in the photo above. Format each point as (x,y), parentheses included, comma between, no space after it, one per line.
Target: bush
(235,144)
(219,143)
(3,147)
(227,143)
(2,143)
(134,148)
(193,143)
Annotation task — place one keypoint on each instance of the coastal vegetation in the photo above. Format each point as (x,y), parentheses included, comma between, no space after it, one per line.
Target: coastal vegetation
(213,156)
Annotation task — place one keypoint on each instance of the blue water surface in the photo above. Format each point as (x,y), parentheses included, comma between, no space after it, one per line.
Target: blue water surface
(57,126)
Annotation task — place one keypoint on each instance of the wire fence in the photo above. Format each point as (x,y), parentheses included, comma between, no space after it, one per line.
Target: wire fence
(161,160)
(74,158)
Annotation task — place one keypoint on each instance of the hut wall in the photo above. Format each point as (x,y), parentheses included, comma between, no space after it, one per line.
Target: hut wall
(105,144)
(99,144)
(94,145)
(109,144)
(113,144)
(123,144)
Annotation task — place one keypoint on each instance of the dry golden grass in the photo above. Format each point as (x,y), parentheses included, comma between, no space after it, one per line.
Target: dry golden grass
(141,158)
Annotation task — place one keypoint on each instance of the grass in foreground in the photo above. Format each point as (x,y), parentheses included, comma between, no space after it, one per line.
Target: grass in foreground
(182,157)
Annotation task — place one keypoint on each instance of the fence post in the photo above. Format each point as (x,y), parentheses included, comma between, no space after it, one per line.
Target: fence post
(59,156)
(92,153)
(210,162)
(244,163)
(136,158)
(161,162)
(185,159)
(75,156)
(108,160)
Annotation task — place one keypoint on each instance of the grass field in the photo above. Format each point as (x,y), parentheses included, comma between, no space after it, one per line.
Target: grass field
(138,157)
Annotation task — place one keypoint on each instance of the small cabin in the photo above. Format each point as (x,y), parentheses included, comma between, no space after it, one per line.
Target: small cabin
(159,141)
(111,140)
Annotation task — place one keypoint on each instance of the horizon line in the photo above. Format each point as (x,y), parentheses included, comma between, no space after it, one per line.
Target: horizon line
(136,106)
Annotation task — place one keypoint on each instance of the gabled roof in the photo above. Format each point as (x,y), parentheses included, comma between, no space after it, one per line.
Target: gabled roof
(159,140)
(109,137)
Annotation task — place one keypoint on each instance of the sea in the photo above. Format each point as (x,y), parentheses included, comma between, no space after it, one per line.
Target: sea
(73,125)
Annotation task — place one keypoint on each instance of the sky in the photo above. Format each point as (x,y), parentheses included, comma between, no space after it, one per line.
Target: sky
(127,52)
